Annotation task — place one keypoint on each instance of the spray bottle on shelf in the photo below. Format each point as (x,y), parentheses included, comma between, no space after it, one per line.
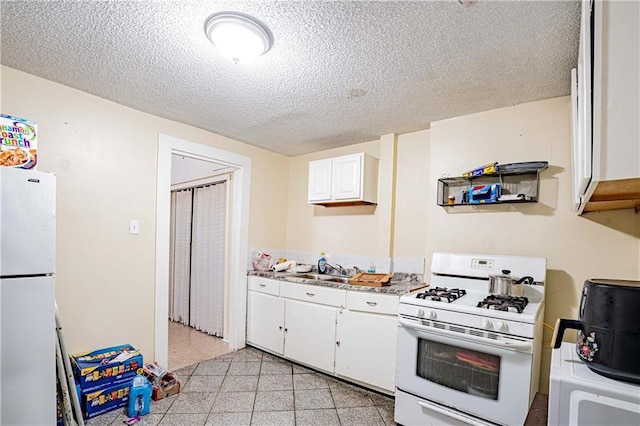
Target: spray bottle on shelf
(322,264)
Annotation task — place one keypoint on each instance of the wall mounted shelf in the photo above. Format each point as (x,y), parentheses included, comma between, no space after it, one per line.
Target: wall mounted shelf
(509,187)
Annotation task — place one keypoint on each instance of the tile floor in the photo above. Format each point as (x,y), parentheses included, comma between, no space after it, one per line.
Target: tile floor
(189,346)
(250,387)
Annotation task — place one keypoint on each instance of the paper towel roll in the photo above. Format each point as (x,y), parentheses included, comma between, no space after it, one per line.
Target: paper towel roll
(284,265)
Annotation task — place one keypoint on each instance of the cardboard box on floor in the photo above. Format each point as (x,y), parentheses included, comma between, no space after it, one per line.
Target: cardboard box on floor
(109,398)
(106,367)
(163,382)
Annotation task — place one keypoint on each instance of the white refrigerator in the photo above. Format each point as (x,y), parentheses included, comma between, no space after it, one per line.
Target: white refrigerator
(27,300)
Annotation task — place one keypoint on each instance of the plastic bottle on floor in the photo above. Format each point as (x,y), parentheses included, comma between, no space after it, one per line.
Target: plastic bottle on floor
(139,397)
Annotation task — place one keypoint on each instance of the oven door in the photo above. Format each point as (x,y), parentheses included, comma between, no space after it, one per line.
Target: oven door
(485,377)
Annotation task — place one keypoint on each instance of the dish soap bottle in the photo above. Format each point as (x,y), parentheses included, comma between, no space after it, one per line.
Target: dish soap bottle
(322,264)
(372,268)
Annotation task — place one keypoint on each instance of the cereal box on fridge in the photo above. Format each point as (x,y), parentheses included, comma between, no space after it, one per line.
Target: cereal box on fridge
(18,146)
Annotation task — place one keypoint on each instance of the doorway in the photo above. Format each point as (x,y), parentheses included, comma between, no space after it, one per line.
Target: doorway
(198,260)
(239,170)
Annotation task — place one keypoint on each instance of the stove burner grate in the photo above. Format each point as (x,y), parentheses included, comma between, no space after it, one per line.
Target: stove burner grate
(442,294)
(504,303)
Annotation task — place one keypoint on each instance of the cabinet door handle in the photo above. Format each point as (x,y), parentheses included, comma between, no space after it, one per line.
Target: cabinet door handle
(338,343)
(372,303)
(286,330)
(311,294)
(263,285)
(280,328)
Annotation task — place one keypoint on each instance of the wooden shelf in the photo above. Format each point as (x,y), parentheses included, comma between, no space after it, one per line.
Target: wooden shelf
(615,195)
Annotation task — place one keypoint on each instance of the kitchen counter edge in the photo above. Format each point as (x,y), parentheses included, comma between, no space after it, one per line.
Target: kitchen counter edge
(398,288)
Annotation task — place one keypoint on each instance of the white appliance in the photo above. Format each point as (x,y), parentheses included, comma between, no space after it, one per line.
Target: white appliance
(461,359)
(27,301)
(578,396)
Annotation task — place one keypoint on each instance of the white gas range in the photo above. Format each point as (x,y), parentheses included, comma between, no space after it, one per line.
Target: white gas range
(464,356)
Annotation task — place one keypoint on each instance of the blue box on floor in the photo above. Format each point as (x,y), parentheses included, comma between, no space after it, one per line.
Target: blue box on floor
(106,367)
(106,399)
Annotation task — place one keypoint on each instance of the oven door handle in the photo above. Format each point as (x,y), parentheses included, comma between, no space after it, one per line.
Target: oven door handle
(513,345)
(449,413)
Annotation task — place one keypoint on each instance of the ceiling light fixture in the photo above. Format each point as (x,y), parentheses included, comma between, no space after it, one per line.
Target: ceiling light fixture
(237,36)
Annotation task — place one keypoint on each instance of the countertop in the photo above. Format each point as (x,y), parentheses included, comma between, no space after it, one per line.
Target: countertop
(400,284)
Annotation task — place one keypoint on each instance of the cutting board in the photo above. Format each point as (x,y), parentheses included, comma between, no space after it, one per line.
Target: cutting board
(369,279)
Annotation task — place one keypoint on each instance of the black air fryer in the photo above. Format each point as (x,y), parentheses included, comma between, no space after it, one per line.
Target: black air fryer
(608,329)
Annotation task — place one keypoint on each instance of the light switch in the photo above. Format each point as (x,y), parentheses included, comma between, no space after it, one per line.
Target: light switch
(134,227)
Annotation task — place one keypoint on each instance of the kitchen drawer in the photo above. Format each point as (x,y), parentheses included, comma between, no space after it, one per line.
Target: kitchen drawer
(313,294)
(372,302)
(264,285)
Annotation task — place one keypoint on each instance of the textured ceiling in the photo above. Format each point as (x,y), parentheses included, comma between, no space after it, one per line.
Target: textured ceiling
(339,73)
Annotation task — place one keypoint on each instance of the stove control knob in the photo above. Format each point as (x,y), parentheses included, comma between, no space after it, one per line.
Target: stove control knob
(432,315)
(421,313)
(487,324)
(500,326)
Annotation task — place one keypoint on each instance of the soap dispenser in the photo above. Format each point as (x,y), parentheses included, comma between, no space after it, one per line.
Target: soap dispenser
(372,268)
(322,264)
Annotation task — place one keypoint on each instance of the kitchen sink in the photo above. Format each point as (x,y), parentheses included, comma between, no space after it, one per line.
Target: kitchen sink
(311,276)
(322,277)
(344,280)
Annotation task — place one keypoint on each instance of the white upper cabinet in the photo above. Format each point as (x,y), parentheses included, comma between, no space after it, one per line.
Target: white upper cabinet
(606,107)
(346,180)
(320,180)
(346,177)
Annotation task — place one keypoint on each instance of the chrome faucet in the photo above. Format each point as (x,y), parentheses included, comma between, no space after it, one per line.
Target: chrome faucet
(340,270)
(357,270)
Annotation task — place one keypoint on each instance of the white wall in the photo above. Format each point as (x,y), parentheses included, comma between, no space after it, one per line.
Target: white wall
(605,244)
(412,194)
(336,230)
(104,156)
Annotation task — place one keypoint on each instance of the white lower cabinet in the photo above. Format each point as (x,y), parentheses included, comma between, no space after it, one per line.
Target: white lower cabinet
(366,348)
(366,339)
(294,320)
(265,321)
(310,334)
(351,334)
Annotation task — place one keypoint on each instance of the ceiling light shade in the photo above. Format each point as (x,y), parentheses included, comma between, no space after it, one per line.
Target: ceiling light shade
(239,37)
